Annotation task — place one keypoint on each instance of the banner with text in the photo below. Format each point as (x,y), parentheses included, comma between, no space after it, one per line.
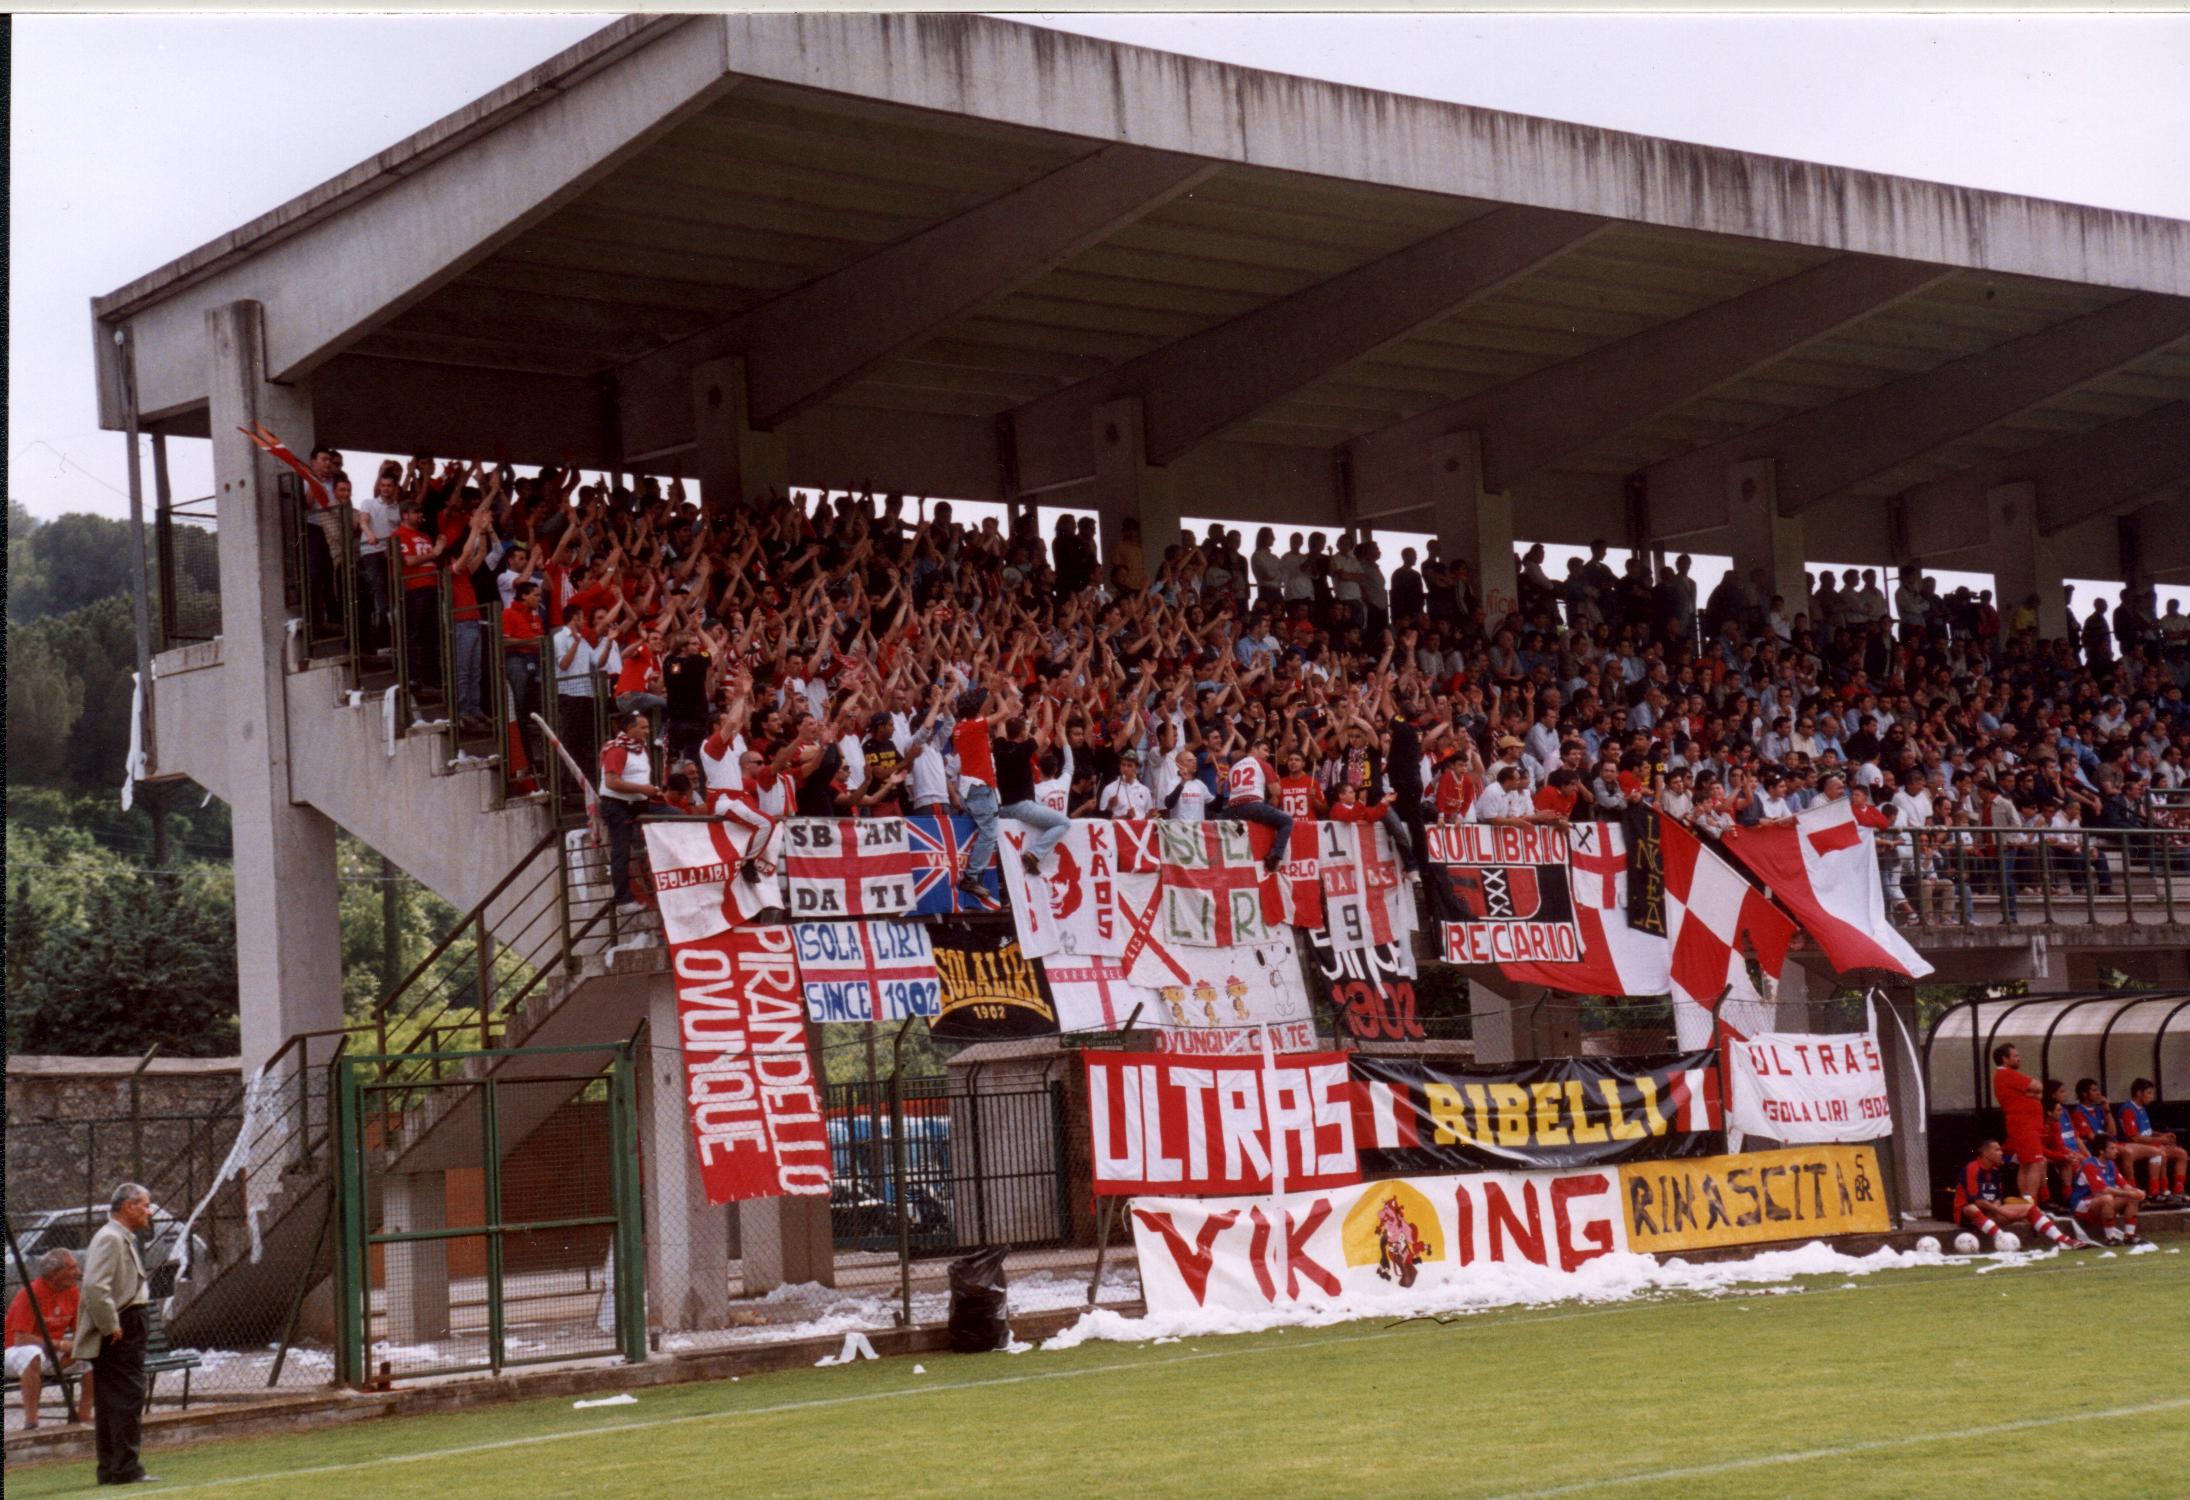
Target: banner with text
(1801,1193)
(1416,1116)
(1163,1124)
(1790,1086)
(1516,890)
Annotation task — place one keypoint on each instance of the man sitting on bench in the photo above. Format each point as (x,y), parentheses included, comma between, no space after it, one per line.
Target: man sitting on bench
(1980,1200)
(55,1289)
(2160,1150)
(2100,1196)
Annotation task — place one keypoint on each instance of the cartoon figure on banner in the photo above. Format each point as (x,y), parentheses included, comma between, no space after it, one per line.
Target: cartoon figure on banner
(1399,1245)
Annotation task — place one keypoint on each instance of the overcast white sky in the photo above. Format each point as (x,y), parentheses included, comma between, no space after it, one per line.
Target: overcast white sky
(137,138)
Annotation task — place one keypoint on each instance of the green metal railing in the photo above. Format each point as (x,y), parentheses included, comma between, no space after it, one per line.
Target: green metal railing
(1990,877)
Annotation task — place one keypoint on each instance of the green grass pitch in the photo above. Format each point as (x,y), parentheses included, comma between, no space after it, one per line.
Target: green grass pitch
(2062,1376)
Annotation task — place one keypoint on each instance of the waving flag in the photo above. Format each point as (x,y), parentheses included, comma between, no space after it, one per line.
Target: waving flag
(1616,959)
(1824,869)
(1711,913)
(938,845)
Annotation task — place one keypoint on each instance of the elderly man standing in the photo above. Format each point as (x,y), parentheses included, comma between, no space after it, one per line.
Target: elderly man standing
(110,1332)
(46,1309)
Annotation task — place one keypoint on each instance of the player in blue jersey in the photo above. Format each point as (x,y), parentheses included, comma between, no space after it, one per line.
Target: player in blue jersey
(2160,1150)
(1980,1200)
(2101,1197)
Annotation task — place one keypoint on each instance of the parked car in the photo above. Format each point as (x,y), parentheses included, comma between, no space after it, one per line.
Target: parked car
(72,1229)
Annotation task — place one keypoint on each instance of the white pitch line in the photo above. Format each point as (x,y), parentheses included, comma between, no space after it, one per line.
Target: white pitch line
(1839,1450)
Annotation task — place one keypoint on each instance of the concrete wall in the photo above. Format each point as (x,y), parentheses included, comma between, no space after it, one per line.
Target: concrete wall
(69,1137)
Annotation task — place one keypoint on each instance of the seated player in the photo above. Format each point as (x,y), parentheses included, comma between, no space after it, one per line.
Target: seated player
(2101,1197)
(2060,1129)
(1980,1200)
(2160,1150)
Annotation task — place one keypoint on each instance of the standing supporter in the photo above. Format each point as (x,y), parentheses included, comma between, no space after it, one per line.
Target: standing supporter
(576,649)
(421,601)
(1127,797)
(521,640)
(627,793)
(687,678)
(1189,799)
(972,738)
(882,785)
(1015,756)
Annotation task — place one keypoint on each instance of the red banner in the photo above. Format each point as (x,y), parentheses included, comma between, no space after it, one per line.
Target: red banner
(756,1110)
(1168,1124)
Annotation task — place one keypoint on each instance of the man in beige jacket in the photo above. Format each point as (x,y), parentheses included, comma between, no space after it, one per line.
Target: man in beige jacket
(110,1332)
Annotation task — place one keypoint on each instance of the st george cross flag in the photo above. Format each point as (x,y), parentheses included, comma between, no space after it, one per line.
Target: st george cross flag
(1091,993)
(698,872)
(849,867)
(867,971)
(1212,885)
(1366,900)
(1710,913)
(938,845)
(1616,959)
(1824,869)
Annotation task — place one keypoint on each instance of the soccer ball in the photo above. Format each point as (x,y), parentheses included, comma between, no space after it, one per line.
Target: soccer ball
(2006,1243)
(1965,1243)
(1927,1246)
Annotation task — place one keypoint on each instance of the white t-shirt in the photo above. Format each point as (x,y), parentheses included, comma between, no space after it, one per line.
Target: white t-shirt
(1497,802)
(1126,799)
(1193,803)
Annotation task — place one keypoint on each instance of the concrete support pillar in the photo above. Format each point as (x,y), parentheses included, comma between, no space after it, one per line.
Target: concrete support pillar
(786,1240)
(2049,973)
(417,1284)
(1473,525)
(1910,1142)
(1764,539)
(735,462)
(1128,487)
(687,1238)
(288,916)
(1801,997)
(2022,560)
(1523,1026)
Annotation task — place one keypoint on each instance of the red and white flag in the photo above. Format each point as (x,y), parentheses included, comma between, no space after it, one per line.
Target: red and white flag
(1366,900)
(1824,869)
(849,867)
(1212,885)
(1711,914)
(1616,959)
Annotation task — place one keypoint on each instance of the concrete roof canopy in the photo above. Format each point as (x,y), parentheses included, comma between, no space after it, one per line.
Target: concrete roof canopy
(939,247)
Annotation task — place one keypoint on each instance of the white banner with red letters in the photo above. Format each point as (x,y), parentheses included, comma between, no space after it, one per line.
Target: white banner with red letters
(1793,1086)
(1164,1124)
(756,1109)
(1396,1243)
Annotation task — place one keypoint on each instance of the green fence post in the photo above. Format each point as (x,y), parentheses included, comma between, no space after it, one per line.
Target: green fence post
(628,1237)
(353,1264)
(490,1146)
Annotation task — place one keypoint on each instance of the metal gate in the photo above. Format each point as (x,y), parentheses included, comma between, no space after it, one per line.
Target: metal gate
(489,1211)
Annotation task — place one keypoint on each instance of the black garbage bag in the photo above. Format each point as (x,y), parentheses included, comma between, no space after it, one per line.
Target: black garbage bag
(978,1324)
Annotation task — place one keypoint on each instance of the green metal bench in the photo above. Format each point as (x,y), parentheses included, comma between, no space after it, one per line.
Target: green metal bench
(161,1359)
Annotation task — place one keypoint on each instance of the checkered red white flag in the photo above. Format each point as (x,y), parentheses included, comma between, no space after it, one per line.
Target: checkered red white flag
(1711,914)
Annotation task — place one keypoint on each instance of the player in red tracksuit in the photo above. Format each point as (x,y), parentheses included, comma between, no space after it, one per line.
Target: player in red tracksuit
(1980,1199)
(2019,1098)
(2167,1159)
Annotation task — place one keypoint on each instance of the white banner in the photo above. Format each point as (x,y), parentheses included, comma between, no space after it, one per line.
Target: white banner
(1375,1246)
(1791,1086)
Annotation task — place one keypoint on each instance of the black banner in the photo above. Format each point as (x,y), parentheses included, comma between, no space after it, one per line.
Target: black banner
(1373,988)
(991,992)
(1412,1116)
(1645,870)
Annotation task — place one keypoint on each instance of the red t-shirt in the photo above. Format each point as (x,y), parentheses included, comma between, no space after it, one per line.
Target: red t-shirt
(2017,1092)
(638,664)
(1551,799)
(1297,795)
(520,627)
(970,738)
(416,549)
(58,1309)
(1456,793)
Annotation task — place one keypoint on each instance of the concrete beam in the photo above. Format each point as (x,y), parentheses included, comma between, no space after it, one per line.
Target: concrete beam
(405,406)
(1195,388)
(1532,423)
(2163,534)
(2080,476)
(801,347)
(1823,451)
(353,253)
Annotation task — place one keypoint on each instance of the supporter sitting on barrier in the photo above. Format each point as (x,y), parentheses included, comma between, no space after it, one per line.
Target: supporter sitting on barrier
(1982,1202)
(2099,1195)
(2163,1158)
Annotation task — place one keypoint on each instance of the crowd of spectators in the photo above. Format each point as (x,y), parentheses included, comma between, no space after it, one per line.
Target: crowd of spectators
(819,658)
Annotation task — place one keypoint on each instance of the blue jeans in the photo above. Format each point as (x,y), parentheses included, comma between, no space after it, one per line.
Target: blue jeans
(471,665)
(1053,824)
(1270,816)
(980,803)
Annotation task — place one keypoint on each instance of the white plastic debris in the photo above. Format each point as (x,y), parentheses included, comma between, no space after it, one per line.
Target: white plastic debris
(625,1399)
(920,1369)
(855,1348)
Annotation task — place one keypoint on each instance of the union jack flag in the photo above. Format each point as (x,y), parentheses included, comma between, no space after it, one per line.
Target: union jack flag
(938,844)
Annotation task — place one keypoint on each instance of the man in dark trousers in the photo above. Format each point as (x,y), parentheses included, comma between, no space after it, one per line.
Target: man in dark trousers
(110,1332)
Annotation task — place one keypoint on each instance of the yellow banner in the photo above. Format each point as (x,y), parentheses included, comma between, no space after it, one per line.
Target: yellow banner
(1797,1194)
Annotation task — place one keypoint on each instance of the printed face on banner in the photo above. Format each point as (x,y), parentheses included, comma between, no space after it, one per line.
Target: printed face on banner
(1373,988)
(1515,886)
(1082,883)
(849,867)
(867,971)
(1219,1124)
